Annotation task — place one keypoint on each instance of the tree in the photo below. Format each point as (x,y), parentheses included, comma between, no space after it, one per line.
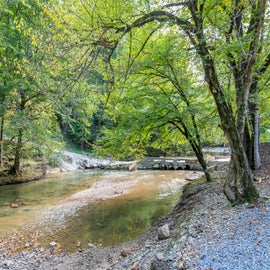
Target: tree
(160,97)
(26,77)
(230,31)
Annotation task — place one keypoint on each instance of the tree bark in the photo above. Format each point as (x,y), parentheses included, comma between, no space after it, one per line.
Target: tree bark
(253,147)
(199,154)
(15,170)
(195,144)
(1,140)
(239,186)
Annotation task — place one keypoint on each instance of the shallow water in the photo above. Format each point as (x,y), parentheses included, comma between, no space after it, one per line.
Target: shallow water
(33,197)
(104,222)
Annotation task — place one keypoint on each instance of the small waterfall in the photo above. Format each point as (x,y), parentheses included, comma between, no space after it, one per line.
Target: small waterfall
(73,161)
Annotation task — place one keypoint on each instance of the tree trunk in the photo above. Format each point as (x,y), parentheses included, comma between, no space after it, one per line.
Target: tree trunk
(202,162)
(1,140)
(15,170)
(199,154)
(239,186)
(247,143)
(254,126)
(195,144)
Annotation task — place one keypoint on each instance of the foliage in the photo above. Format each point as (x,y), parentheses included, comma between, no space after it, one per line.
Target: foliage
(158,92)
(226,37)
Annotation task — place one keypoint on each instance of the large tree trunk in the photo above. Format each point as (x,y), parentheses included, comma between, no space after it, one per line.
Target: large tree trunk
(239,186)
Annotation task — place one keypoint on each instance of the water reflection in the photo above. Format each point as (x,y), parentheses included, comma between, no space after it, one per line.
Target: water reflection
(105,222)
(125,217)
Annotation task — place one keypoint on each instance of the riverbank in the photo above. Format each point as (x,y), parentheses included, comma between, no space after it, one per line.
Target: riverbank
(30,171)
(205,233)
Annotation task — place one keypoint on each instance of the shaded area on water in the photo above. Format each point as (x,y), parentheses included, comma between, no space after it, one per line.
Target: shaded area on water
(123,218)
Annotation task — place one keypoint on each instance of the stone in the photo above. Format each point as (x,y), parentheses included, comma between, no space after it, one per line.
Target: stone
(164,232)
(132,167)
(136,266)
(53,244)
(7,263)
(125,252)
(160,256)
(158,265)
(14,205)
(91,246)
(181,266)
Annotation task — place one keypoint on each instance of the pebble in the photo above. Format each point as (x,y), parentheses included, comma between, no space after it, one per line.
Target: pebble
(53,244)
(160,256)
(91,246)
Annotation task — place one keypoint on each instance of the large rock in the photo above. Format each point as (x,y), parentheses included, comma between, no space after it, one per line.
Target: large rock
(164,232)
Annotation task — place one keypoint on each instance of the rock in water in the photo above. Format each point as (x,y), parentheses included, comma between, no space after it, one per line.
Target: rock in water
(132,167)
(163,232)
(14,205)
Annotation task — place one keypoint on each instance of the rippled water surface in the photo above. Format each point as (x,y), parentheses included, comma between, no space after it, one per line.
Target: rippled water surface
(103,222)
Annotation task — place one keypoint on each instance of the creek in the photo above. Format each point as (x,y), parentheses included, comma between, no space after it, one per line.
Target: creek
(93,206)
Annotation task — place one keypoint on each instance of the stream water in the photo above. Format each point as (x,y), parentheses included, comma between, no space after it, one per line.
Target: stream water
(100,220)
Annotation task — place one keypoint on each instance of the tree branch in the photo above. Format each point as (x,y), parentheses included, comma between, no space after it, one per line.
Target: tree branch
(160,16)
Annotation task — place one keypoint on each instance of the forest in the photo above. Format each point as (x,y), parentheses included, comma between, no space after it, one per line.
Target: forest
(125,79)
